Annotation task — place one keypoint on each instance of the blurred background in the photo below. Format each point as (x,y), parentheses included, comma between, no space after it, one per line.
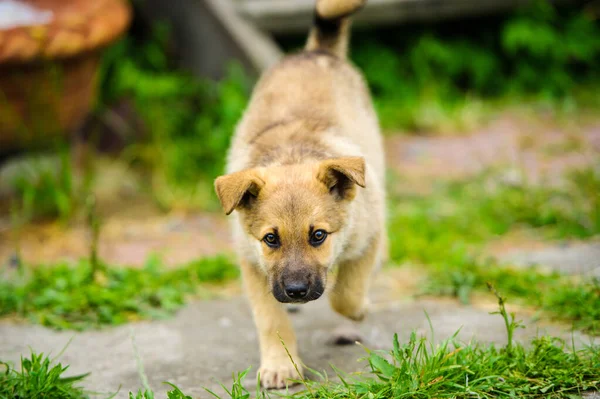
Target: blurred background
(133,104)
(115,117)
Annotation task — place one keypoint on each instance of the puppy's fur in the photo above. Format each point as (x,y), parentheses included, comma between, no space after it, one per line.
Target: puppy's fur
(306,162)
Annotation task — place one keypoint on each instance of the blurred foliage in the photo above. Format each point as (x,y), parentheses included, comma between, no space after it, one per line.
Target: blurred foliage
(422,78)
(66,297)
(189,121)
(425,77)
(451,75)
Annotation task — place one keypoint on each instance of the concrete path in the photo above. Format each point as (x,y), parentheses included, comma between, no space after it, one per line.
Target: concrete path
(208,341)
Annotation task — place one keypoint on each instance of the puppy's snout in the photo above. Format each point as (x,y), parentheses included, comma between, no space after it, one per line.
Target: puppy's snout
(297,289)
(298,286)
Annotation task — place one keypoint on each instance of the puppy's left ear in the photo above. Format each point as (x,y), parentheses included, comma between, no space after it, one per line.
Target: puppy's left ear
(342,175)
(238,189)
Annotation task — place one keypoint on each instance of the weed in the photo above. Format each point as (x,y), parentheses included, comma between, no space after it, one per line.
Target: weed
(94,227)
(39,378)
(64,297)
(509,321)
(238,391)
(16,222)
(174,393)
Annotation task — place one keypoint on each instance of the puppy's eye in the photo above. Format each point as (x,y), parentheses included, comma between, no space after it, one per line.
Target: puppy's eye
(318,237)
(271,240)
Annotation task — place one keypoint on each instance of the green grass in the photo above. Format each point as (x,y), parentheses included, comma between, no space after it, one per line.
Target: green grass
(545,367)
(419,370)
(38,377)
(447,230)
(78,297)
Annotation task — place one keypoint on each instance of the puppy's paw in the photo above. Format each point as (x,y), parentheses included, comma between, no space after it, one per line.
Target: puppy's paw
(352,309)
(277,375)
(360,313)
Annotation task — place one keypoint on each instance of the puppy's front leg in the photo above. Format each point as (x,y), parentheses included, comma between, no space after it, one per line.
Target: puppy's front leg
(349,295)
(271,318)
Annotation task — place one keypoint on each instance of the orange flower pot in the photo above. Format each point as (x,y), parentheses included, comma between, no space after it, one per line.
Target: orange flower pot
(50,52)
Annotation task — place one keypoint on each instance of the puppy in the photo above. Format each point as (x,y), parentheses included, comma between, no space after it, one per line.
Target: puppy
(305,177)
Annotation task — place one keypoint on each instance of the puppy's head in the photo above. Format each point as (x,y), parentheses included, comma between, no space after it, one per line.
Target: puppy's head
(295,216)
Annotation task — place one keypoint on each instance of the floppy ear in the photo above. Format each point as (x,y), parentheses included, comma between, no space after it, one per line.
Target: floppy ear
(236,189)
(341,175)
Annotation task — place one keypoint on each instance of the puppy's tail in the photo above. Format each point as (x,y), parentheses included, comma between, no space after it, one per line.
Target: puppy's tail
(331,27)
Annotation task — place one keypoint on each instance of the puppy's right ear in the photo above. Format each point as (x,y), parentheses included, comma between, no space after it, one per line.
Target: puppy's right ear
(236,189)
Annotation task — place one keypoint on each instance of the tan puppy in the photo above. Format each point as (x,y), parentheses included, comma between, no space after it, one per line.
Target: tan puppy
(306,181)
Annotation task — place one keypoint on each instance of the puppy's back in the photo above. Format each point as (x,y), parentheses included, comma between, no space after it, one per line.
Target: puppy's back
(316,85)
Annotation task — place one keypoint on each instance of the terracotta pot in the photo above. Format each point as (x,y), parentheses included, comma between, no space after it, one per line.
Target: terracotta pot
(49,57)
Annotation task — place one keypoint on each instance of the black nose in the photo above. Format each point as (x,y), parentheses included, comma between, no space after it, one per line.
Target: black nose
(296,290)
